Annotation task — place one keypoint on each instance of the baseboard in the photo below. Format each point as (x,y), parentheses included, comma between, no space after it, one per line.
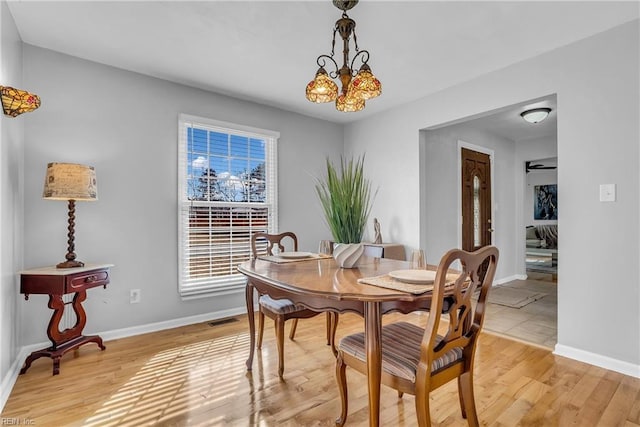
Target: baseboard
(169,324)
(509,279)
(12,375)
(599,360)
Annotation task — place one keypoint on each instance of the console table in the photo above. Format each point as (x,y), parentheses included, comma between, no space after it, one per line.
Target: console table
(386,250)
(57,282)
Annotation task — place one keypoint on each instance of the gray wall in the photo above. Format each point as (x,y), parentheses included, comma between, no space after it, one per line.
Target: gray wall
(125,124)
(11,210)
(596,82)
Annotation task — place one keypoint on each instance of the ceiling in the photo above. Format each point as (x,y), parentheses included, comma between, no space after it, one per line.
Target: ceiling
(265,51)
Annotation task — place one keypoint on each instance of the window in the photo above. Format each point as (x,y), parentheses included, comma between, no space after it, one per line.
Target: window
(226,191)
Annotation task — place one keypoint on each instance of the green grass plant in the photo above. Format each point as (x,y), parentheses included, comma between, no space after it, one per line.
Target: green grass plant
(346,199)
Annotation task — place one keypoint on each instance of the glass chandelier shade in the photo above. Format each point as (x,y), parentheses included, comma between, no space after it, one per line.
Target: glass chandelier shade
(322,88)
(349,103)
(16,101)
(365,85)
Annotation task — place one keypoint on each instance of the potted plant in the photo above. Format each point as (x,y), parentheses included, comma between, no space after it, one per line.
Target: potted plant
(346,199)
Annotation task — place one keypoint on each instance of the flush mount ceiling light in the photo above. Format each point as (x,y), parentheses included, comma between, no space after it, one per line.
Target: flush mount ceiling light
(535,115)
(356,86)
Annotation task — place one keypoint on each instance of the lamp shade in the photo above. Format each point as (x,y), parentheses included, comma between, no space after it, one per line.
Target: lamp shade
(536,115)
(70,181)
(349,103)
(16,101)
(365,84)
(322,88)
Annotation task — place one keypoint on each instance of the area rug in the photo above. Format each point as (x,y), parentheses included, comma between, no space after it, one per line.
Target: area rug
(513,297)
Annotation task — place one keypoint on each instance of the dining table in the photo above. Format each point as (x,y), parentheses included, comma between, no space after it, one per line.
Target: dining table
(319,284)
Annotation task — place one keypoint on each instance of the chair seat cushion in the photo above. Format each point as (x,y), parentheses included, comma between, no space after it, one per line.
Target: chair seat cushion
(279,306)
(400,350)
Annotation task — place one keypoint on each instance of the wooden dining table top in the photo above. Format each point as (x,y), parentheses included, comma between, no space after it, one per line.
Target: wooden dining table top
(324,278)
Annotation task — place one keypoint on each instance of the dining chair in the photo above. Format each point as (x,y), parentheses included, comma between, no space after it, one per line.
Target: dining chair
(281,310)
(418,360)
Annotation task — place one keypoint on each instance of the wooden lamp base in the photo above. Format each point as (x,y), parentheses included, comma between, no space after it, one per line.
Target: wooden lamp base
(71,255)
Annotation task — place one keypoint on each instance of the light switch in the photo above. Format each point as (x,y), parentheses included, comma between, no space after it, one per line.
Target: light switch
(607,192)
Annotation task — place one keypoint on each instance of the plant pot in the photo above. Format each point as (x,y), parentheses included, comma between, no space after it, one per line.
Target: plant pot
(347,255)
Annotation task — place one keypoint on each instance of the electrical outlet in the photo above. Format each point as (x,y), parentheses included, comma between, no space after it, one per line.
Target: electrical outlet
(134,296)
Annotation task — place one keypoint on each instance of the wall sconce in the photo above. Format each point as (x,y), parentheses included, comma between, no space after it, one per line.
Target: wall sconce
(16,101)
(535,115)
(71,182)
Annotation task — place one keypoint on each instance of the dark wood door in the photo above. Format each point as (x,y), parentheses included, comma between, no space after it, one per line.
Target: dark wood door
(476,200)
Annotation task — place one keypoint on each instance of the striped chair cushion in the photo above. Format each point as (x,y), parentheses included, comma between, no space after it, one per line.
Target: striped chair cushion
(279,306)
(400,350)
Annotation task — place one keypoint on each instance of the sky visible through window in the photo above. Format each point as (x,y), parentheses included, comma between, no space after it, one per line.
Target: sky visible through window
(225,167)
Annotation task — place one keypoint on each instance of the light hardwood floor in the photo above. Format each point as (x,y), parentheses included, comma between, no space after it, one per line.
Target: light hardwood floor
(196,376)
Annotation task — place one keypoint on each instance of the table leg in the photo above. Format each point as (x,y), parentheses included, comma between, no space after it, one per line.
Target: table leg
(373,343)
(252,323)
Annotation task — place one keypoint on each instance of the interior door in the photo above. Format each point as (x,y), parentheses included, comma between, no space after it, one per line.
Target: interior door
(476,200)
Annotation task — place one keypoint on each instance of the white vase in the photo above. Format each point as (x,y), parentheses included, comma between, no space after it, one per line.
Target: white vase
(347,255)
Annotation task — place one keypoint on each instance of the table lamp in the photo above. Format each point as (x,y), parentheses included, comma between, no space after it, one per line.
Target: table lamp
(71,182)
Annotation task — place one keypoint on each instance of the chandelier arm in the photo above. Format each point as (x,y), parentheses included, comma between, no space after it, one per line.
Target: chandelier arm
(355,39)
(322,63)
(333,43)
(364,57)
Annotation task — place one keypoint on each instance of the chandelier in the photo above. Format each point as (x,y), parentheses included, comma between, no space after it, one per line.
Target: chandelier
(356,87)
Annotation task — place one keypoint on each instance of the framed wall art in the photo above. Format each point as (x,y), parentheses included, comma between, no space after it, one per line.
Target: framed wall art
(545,202)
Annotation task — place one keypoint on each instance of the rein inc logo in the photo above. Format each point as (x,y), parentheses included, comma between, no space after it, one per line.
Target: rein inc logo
(17,422)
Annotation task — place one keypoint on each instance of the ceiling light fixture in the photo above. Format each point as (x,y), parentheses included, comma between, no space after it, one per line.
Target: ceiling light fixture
(535,115)
(356,87)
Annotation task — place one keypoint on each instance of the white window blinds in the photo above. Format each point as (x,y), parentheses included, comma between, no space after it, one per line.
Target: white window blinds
(227,190)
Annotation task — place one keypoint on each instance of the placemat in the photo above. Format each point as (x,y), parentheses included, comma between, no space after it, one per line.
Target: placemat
(388,282)
(279,260)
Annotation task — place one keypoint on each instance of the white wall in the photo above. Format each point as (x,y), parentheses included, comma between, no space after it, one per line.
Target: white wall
(596,82)
(125,124)
(440,189)
(11,209)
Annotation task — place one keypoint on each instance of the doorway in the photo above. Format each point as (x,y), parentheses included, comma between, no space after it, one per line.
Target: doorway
(511,143)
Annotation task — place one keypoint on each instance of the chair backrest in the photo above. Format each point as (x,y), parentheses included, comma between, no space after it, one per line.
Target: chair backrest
(259,239)
(457,290)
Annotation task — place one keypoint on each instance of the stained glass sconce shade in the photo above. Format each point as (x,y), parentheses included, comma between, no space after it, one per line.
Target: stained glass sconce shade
(16,101)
